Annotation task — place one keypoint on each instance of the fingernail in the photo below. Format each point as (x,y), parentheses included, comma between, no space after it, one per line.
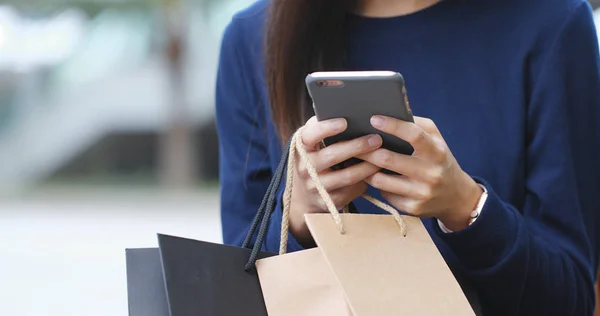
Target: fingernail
(374,140)
(338,124)
(377,121)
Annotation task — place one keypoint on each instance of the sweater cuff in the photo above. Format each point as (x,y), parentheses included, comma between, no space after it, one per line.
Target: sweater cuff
(474,214)
(489,239)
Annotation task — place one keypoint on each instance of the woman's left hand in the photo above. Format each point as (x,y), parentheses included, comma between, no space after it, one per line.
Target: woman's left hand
(431,183)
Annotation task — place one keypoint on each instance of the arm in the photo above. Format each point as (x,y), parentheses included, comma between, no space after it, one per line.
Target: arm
(243,158)
(542,259)
(244,164)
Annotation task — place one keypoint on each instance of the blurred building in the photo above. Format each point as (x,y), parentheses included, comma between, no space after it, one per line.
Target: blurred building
(88,88)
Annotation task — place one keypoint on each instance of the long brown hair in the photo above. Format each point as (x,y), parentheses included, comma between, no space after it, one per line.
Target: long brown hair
(302,36)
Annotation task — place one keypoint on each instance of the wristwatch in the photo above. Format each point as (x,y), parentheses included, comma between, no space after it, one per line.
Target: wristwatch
(474,214)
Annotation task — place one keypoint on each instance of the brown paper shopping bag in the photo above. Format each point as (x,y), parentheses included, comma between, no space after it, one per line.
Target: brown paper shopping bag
(301,284)
(364,265)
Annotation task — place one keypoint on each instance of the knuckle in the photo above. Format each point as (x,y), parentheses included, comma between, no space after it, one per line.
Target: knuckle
(301,170)
(424,193)
(306,132)
(317,130)
(311,132)
(429,123)
(347,177)
(390,125)
(419,208)
(363,145)
(442,154)
(384,158)
(415,207)
(377,181)
(436,176)
(321,128)
(409,208)
(416,136)
(327,156)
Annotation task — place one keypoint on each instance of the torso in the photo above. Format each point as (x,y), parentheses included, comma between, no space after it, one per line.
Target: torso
(469,66)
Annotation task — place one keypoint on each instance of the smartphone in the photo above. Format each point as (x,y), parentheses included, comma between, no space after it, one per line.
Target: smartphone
(357,96)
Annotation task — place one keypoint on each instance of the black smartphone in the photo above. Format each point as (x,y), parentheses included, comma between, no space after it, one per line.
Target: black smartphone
(357,96)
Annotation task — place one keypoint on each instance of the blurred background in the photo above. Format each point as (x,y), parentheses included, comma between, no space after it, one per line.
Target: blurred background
(107,137)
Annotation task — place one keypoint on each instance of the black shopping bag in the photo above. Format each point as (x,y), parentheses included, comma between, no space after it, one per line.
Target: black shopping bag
(184,277)
(188,277)
(145,283)
(203,278)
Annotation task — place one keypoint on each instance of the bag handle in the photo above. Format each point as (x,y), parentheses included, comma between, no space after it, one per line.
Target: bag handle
(297,145)
(265,210)
(267,206)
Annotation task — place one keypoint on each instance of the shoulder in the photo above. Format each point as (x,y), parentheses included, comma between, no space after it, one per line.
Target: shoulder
(555,15)
(254,10)
(240,80)
(559,24)
(550,7)
(534,27)
(246,28)
(543,17)
(537,9)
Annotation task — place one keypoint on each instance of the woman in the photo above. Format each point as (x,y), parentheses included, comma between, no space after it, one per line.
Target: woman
(505,173)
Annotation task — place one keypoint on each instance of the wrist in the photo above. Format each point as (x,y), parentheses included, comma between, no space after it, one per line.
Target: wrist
(302,235)
(460,215)
(299,229)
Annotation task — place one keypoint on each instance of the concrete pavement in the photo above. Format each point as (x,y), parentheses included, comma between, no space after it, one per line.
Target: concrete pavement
(62,252)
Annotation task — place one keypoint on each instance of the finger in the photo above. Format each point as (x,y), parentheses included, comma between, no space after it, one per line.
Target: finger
(407,131)
(342,151)
(348,176)
(399,185)
(429,126)
(315,131)
(410,166)
(401,203)
(342,197)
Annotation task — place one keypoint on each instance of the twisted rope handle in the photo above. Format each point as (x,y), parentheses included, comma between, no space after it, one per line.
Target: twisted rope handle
(267,203)
(297,145)
(263,215)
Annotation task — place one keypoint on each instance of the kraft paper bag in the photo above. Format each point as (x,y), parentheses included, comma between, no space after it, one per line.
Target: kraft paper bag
(371,269)
(363,265)
(301,284)
(384,273)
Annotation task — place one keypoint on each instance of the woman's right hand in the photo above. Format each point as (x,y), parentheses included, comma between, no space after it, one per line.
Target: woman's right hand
(343,185)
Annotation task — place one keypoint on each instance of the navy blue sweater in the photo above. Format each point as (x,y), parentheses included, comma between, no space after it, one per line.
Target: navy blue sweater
(514,87)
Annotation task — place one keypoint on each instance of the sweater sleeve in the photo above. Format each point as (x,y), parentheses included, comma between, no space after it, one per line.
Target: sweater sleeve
(542,257)
(244,170)
(244,162)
